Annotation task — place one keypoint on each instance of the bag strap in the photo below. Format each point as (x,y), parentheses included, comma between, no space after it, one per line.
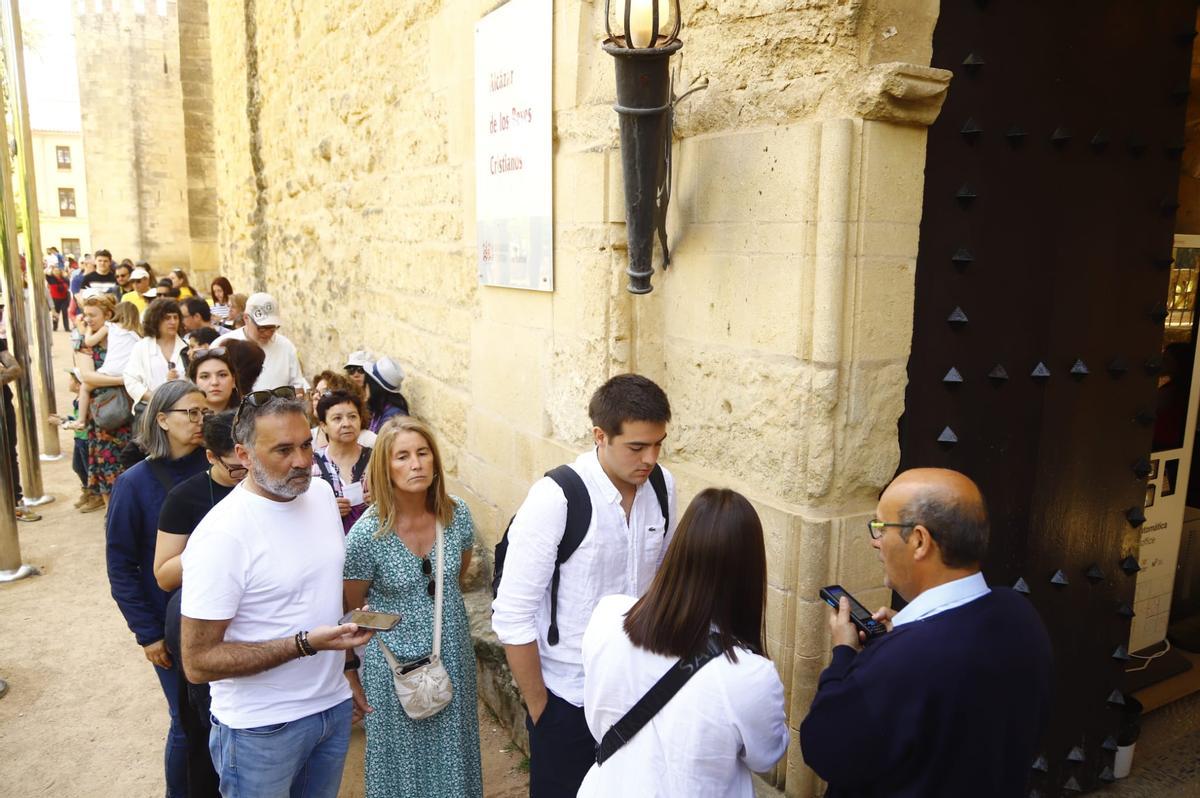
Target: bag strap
(437,593)
(160,471)
(655,699)
(325,473)
(579,518)
(659,483)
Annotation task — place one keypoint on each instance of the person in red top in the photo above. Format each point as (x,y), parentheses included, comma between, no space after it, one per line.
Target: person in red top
(60,295)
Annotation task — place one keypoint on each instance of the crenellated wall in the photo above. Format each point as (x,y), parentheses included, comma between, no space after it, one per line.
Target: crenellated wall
(343,135)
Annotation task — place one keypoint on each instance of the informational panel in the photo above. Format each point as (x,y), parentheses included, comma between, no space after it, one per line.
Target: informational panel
(1167,486)
(513,146)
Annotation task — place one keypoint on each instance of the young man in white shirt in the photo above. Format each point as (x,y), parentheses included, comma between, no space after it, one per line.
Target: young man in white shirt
(625,542)
(262,593)
(281,365)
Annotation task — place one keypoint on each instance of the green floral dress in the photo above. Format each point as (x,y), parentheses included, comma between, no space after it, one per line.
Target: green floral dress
(437,757)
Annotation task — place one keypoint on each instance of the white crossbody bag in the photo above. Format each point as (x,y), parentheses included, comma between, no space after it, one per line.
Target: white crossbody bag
(423,685)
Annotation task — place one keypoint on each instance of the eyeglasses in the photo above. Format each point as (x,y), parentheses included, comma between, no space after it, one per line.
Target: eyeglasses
(195,414)
(234,471)
(875,527)
(260,398)
(215,351)
(427,569)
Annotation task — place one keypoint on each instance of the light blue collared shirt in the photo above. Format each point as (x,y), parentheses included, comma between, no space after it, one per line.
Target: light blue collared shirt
(942,598)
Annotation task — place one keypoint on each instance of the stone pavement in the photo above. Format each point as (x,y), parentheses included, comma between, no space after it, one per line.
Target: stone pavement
(1166,762)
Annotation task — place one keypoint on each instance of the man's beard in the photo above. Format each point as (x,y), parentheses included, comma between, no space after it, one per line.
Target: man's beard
(289,487)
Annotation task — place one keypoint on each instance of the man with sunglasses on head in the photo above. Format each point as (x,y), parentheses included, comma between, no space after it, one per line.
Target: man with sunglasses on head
(953,698)
(261,602)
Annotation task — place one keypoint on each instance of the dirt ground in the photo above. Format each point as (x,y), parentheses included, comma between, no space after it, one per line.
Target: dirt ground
(84,714)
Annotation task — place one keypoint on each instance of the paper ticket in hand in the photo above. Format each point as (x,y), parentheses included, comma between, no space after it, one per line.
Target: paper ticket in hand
(353,492)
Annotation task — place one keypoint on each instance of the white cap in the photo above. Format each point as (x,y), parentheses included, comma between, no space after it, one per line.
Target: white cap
(263,310)
(139,274)
(361,358)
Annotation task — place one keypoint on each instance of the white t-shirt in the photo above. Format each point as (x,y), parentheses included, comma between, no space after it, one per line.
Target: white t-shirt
(274,568)
(726,721)
(120,346)
(281,365)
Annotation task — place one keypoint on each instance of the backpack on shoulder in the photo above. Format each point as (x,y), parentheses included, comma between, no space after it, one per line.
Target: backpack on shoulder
(579,519)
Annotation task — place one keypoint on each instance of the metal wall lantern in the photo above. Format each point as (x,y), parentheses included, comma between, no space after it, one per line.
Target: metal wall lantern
(648,37)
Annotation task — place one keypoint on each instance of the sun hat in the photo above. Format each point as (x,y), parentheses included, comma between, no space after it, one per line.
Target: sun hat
(361,358)
(263,310)
(388,374)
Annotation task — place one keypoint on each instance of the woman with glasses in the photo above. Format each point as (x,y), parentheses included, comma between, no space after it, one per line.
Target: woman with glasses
(184,509)
(170,431)
(210,368)
(728,718)
(391,564)
(342,462)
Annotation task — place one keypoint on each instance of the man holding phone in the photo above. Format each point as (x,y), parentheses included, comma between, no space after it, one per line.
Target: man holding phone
(953,698)
(262,590)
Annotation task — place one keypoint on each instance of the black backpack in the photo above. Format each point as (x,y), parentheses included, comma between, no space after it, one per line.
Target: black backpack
(579,518)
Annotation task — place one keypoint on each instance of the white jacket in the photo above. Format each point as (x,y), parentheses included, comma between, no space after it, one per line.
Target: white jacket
(140,374)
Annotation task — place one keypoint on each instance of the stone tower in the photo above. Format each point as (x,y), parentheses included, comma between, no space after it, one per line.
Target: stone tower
(146,126)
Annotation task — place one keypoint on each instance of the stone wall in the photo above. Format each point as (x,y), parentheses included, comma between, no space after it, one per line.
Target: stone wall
(131,107)
(195,78)
(344,143)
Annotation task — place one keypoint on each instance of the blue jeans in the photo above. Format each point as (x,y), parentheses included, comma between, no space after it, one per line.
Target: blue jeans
(175,754)
(301,759)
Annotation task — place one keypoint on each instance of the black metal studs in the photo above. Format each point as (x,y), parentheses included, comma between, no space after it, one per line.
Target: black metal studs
(1110,744)
(953,377)
(1120,653)
(973,63)
(957,318)
(1060,579)
(1021,586)
(1040,372)
(1015,135)
(1079,370)
(965,195)
(971,130)
(1117,366)
(1060,136)
(1041,764)
(1124,610)
(1094,574)
(1116,698)
(963,258)
(1076,754)
(1135,516)
(998,374)
(1130,566)
(1107,776)
(1099,142)
(1141,468)
(1072,785)
(948,437)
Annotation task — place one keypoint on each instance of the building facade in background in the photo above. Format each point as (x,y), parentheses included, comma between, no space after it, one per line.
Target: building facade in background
(58,162)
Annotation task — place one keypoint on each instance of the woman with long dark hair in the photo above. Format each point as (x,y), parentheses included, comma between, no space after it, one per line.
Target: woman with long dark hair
(212,370)
(384,400)
(219,294)
(728,718)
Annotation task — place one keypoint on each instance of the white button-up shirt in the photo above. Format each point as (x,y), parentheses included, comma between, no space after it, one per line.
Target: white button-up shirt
(616,556)
(725,722)
(942,598)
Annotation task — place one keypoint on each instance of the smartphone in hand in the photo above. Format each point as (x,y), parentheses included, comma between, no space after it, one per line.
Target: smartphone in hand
(375,621)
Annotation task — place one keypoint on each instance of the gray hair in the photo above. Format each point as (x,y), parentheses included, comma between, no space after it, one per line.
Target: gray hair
(246,429)
(960,527)
(152,437)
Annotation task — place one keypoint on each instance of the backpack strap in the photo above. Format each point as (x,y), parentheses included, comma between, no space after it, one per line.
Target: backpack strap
(319,459)
(659,483)
(579,518)
(654,700)
(160,472)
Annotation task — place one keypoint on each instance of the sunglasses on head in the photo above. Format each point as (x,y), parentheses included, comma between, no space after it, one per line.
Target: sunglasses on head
(215,351)
(260,398)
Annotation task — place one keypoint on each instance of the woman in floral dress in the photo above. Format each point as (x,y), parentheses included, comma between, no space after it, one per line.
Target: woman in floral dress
(391,564)
(103,446)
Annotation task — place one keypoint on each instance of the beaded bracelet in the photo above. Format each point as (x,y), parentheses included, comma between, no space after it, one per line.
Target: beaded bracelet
(309,651)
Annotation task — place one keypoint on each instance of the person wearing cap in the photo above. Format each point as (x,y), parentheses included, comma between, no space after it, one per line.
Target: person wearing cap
(357,363)
(384,399)
(281,365)
(138,286)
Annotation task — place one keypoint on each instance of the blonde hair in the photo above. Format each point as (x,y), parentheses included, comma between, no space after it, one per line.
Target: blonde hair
(106,302)
(437,500)
(127,315)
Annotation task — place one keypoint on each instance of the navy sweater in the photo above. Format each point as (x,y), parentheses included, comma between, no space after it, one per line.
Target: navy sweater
(953,705)
(132,531)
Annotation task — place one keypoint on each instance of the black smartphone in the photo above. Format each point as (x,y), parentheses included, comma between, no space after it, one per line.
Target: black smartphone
(412,666)
(859,615)
(376,621)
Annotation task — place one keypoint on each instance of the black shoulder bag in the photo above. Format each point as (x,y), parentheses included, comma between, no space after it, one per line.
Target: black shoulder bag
(655,699)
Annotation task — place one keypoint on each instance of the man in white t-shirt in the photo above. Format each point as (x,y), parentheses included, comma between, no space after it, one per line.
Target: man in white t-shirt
(281,365)
(262,594)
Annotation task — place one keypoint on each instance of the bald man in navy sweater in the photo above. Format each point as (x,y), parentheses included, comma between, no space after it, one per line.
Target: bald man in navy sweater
(953,699)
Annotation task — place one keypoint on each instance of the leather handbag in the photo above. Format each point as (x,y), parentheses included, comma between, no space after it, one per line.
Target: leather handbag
(423,686)
(111,408)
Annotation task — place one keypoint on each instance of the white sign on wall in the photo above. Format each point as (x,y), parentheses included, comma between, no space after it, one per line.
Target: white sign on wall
(513,145)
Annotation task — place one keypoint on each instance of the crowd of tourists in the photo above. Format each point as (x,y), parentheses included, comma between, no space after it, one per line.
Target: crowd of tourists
(288,554)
